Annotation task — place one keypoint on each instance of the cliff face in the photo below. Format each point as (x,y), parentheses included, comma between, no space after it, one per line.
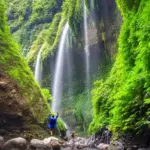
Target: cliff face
(16,116)
(22,105)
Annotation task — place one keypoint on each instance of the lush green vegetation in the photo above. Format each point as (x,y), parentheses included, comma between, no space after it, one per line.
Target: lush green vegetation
(72,12)
(28,18)
(122,101)
(40,19)
(15,66)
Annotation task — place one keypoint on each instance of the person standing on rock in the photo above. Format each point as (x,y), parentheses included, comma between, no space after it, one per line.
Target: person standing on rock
(52,123)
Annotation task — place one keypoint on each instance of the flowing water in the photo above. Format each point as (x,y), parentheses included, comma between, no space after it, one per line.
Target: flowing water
(58,75)
(69,65)
(38,67)
(87,52)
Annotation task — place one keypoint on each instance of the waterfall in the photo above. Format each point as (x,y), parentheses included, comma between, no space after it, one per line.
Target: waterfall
(38,70)
(87,52)
(69,65)
(58,75)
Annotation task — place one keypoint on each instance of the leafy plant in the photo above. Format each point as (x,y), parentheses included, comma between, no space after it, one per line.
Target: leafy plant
(121,101)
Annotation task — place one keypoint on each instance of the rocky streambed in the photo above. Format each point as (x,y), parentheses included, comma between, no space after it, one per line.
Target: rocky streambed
(53,143)
(50,143)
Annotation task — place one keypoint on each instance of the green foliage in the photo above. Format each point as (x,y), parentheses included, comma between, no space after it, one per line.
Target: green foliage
(48,36)
(71,11)
(44,18)
(82,115)
(122,100)
(28,18)
(2,17)
(61,125)
(15,66)
(43,11)
(46,94)
(72,106)
(57,24)
(127,5)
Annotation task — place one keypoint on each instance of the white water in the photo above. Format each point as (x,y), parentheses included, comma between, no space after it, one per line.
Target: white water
(69,65)
(87,52)
(58,75)
(38,67)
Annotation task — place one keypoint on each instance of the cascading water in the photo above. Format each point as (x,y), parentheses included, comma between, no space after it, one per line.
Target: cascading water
(69,64)
(68,77)
(38,70)
(87,52)
(58,75)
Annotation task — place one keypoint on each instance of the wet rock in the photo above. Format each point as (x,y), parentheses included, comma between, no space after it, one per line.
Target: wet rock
(144,149)
(81,146)
(13,91)
(115,145)
(103,146)
(3,85)
(135,147)
(15,144)
(47,140)
(79,143)
(91,144)
(67,148)
(1,141)
(36,144)
(2,74)
(52,142)
(2,131)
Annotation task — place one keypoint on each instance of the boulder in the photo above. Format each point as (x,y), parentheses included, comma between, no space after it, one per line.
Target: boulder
(116,145)
(135,147)
(144,149)
(47,140)
(103,146)
(15,144)
(1,141)
(52,142)
(36,144)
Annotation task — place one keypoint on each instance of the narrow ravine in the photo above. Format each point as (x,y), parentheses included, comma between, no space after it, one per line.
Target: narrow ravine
(85,62)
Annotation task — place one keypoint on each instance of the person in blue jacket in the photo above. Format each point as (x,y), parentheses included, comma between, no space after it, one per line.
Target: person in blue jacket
(52,123)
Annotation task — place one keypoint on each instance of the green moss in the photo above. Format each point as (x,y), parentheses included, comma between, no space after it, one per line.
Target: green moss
(127,6)
(121,101)
(47,95)
(16,67)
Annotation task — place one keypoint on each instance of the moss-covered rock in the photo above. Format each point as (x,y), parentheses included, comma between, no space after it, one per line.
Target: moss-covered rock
(20,95)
